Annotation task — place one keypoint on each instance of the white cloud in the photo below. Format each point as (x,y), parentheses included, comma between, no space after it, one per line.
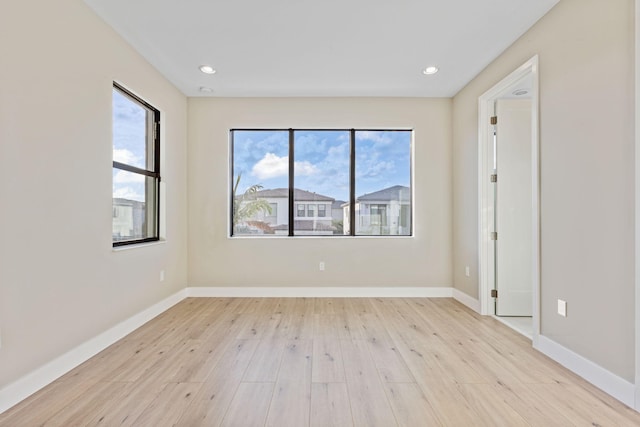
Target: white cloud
(374,136)
(128,193)
(272,166)
(305,168)
(124,177)
(123,155)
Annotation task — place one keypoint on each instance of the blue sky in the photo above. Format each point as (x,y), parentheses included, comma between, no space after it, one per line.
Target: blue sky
(129,143)
(383,159)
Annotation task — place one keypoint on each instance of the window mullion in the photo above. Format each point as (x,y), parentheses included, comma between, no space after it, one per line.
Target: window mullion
(352,182)
(291,182)
(134,169)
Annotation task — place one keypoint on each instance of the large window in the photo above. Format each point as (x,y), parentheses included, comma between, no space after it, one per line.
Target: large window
(136,169)
(319,182)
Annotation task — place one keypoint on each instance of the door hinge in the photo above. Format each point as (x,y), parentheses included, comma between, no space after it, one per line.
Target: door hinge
(494,120)
(494,235)
(494,293)
(494,178)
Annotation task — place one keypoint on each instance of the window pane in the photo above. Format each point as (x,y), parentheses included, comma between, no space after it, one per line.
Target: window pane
(132,127)
(260,182)
(321,180)
(383,183)
(135,202)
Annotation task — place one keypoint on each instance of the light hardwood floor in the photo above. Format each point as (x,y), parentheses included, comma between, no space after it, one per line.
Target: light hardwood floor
(320,362)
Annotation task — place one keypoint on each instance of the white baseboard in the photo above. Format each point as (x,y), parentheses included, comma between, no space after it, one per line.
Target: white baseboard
(461,297)
(608,382)
(34,381)
(320,292)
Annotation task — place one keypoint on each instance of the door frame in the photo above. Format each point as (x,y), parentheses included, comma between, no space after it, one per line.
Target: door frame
(637,203)
(486,197)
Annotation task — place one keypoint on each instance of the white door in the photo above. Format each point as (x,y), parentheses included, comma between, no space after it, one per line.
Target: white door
(513,208)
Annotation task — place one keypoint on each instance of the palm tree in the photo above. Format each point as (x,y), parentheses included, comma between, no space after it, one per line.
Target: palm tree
(246,206)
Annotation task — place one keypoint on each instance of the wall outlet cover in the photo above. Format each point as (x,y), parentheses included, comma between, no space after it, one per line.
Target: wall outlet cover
(562,308)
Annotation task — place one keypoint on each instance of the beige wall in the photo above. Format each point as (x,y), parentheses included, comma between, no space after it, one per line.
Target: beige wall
(216,260)
(60,281)
(586,55)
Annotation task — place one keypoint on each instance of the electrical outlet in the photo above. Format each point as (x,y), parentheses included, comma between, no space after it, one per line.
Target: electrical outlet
(162,275)
(562,308)
(321,266)
(466,271)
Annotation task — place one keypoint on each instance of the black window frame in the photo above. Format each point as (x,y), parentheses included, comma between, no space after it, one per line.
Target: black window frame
(352,178)
(154,140)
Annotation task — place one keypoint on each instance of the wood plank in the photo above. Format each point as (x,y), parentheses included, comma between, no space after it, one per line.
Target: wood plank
(330,326)
(45,404)
(491,408)
(249,406)
(369,404)
(291,402)
(126,409)
(533,408)
(212,401)
(330,405)
(265,363)
(583,408)
(410,406)
(168,406)
(328,366)
(83,409)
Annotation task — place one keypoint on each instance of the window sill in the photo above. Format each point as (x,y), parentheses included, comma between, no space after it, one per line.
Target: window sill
(138,245)
(319,236)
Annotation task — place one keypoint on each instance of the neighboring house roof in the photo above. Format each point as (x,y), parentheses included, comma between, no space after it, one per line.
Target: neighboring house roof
(299,195)
(306,226)
(337,204)
(397,192)
(127,202)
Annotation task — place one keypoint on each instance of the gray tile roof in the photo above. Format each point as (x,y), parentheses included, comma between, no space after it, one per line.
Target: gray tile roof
(337,204)
(300,195)
(397,192)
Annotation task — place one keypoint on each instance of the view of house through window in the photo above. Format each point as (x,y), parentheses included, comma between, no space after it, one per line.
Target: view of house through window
(136,171)
(328,172)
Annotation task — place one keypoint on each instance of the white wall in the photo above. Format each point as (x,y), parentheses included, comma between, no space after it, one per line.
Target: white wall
(216,260)
(60,281)
(586,56)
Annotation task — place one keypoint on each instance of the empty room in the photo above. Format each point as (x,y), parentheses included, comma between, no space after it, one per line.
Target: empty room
(362,213)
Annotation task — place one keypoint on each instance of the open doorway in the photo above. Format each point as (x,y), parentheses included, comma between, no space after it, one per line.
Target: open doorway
(509,200)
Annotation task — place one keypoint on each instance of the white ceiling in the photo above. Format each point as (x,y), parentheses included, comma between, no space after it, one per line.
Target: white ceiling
(322,47)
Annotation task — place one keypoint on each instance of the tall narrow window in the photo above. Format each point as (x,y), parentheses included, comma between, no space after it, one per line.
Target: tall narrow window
(136,169)
(383,183)
(321,175)
(260,192)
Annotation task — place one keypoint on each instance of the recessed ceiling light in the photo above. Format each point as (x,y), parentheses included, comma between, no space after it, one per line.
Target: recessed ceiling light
(430,70)
(520,92)
(207,69)
(205,89)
